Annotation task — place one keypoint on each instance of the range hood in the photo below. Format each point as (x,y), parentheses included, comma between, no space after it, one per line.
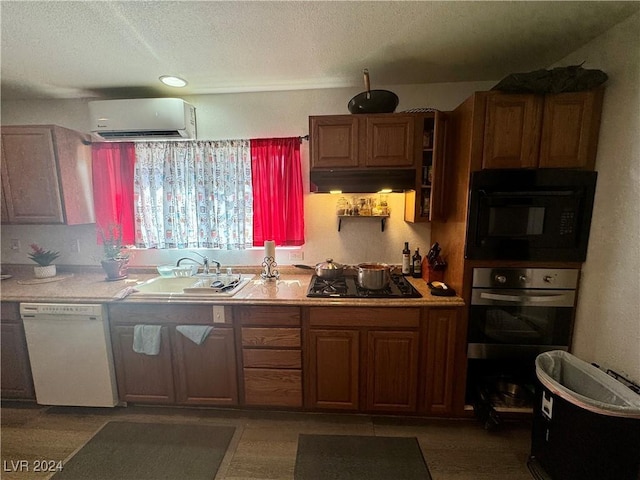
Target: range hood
(362,181)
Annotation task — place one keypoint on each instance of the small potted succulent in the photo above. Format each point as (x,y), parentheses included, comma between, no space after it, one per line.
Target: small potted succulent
(114,261)
(44,259)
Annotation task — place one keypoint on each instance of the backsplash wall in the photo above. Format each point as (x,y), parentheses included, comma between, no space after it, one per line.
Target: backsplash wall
(248,115)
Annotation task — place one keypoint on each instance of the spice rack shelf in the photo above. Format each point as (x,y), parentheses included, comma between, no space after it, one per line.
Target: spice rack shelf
(382,218)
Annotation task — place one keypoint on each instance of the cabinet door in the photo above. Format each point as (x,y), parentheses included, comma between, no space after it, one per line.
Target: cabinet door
(16,371)
(142,378)
(441,359)
(390,141)
(29,175)
(392,371)
(512,131)
(332,376)
(206,374)
(334,141)
(570,127)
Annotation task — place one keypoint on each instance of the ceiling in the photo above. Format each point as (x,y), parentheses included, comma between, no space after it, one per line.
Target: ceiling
(112,49)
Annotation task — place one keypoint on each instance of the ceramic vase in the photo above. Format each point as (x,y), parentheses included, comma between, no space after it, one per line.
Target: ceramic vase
(116,269)
(44,272)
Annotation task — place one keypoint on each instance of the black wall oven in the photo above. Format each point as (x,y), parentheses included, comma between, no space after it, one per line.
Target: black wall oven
(535,215)
(514,315)
(520,313)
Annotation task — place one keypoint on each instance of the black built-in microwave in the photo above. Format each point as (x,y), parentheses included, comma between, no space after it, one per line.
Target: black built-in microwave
(535,215)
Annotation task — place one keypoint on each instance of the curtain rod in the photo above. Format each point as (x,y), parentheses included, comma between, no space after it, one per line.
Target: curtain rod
(89,142)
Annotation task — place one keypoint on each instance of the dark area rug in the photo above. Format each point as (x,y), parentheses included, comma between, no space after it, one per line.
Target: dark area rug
(353,457)
(150,451)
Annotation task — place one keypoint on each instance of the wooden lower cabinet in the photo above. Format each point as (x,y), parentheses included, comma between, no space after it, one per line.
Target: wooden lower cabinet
(270,341)
(334,369)
(392,371)
(183,372)
(142,378)
(17,382)
(442,362)
(372,367)
(206,374)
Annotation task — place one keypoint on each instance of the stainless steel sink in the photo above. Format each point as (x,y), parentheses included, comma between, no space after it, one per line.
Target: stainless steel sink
(208,285)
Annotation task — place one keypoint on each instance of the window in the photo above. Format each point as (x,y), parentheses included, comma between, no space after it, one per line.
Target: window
(230,194)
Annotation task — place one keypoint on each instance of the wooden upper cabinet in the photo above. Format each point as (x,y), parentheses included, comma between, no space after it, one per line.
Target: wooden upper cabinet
(570,130)
(46,176)
(426,202)
(541,131)
(390,141)
(512,131)
(334,141)
(363,141)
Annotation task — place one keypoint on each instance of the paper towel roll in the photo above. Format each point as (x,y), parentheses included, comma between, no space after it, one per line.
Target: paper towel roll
(270,249)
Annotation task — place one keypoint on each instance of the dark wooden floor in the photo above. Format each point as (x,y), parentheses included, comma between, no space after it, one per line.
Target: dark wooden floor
(264,445)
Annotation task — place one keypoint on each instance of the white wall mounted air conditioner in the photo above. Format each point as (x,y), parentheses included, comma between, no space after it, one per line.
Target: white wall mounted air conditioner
(142,119)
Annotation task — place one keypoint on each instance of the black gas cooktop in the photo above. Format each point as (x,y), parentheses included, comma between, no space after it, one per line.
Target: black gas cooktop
(347,287)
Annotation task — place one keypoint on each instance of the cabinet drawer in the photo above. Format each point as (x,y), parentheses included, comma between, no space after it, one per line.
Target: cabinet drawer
(262,358)
(164,314)
(270,337)
(364,317)
(273,387)
(277,316)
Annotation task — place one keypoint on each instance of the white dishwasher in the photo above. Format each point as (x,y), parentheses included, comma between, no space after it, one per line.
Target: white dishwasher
(69,349)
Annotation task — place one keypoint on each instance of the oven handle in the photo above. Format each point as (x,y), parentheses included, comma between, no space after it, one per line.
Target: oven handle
(523,298)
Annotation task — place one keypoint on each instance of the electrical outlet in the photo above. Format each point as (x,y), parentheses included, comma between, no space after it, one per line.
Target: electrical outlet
(218,314)
(15,244)
(74,246)
(298,255)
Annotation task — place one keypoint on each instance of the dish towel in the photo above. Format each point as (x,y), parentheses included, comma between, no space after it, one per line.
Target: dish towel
(196,333)
(146,339)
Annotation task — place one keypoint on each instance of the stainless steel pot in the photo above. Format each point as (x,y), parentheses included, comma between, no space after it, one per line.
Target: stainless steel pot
(328,270)
(374,276)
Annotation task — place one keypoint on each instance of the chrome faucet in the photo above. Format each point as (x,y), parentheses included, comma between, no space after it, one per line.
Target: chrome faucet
(204,263)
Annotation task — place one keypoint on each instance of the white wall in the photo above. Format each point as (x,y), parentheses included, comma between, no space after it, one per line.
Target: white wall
(608,316)
(251,115)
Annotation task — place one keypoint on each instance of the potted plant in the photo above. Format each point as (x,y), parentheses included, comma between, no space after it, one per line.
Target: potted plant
(114,262)
(43,258)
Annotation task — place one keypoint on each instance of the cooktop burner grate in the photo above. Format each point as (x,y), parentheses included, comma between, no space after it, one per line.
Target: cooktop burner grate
(347,287)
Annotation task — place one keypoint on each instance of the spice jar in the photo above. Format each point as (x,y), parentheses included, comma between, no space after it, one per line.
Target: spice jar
(342,207)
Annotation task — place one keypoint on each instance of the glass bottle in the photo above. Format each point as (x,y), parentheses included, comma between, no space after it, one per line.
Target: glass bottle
(416,270)
(406,259)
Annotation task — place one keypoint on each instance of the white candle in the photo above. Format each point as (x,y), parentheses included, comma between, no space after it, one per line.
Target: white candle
(270,249)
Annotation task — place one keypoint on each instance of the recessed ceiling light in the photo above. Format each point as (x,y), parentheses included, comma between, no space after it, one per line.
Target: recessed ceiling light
(173,81)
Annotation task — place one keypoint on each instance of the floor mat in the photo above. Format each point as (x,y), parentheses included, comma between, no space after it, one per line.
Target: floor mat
(354,457)
(153,451)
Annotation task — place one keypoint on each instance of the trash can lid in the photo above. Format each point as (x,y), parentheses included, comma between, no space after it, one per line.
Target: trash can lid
(585,385)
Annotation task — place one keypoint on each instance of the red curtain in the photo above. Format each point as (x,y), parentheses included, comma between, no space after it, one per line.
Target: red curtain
(278,209)
(113,165)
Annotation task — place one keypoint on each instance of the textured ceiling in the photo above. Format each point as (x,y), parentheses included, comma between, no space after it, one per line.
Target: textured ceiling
(107,49)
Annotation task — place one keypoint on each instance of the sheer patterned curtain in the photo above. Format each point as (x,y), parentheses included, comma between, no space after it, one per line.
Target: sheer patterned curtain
(112,170)
(194,194)
(277,191)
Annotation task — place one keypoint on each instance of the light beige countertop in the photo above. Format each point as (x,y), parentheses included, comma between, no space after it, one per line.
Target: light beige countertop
(89,286)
